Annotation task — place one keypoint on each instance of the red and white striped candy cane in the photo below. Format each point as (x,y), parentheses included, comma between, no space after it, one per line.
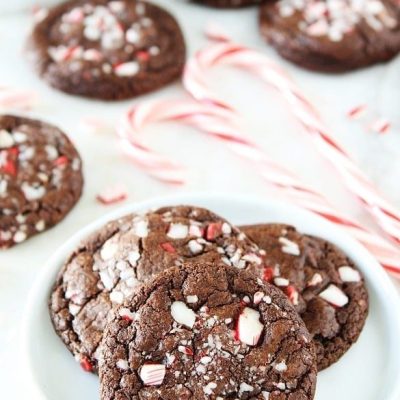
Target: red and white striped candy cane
(16,99)
(219,123)
(137,117)
(227,53)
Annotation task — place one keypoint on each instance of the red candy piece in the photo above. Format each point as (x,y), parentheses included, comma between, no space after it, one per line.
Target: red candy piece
(188,351)
(112,195)
(236,331)
(60,161)
(168,247)
(293,295)
(143,55)
(213,230)
(268,274)
(9,157)
(69,53)
(86,364)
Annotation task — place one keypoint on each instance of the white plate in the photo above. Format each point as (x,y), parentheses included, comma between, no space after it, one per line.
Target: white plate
(369,371)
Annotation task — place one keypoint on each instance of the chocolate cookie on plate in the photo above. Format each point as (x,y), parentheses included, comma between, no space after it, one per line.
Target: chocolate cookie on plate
(333,36)
(107,268)
(207,331)
(108,50)
(322,283)
(40,178)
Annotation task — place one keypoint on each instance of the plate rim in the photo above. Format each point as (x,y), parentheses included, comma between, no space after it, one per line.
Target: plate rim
(330,232)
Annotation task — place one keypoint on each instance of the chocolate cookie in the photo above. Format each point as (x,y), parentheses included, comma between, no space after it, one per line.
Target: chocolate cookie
(40,178)
(108,50)
(323,284)
(108,267)
(333,36)
(207,331)
(228,3)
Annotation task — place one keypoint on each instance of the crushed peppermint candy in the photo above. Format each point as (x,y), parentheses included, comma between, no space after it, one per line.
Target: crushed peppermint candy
(6,139)
(281,366)
(249,328)
(315,280)
(348,274)
(333,295)
(289,247)
(114,44)
(336,19)
(178,231)
(192,299)
(182,314)
(152,374)
(126,314)
(195,247)
(279,281)
(127,69)
(112,194)
(122,364)
(258,296)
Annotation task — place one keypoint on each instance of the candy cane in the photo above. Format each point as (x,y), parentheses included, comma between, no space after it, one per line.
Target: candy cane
(219,123)
(227,53)
(16,99)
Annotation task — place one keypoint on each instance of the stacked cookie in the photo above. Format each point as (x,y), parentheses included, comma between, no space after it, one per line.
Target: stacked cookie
(178,303)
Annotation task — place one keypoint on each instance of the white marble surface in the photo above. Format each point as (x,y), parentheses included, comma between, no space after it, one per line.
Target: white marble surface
(210,165)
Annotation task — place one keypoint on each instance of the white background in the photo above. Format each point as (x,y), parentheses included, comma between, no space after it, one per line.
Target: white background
(210,166)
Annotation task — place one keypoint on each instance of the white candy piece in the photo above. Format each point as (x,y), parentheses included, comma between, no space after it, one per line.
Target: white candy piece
(20,137)
(226,229)
(3,185)
(40,225)
(195,231)
(209,388)
(6,139)
(182,314)
(19,237)
(348,274)
(126,313)
(192,299)
(249,327)
(152,374)
(258,296)
(281,367)
(332,294)
(122,364)
(109,249)
(116,6)
(52,152)
(32,192)
(245,387)
(127,69)
(178,231)
(315,280)
(133,257)
(92,55)
(281,281)
(117,297)
(252,258)
(289,247)
(132,35)
(74,309)
(195,247)
(141,228)
(265,395)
